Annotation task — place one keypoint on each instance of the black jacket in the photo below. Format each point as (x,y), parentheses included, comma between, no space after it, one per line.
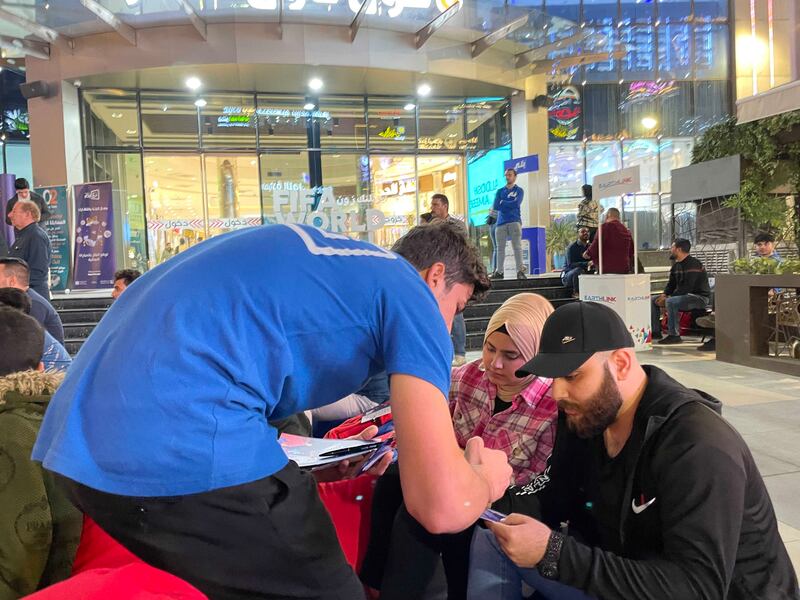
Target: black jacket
(33,246)
(575,256)
(688,277)
(710,533)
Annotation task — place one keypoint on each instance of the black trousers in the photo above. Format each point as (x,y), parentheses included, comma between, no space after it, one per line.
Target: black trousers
(268,539)
(403,558)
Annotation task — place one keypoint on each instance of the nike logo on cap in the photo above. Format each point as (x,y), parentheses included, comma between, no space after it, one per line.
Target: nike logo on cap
(642,507)
(567,339)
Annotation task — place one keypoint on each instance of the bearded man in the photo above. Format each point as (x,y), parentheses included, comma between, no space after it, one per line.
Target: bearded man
(649,492)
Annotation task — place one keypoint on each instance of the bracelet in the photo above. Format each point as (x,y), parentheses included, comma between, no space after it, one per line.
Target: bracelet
(548,566)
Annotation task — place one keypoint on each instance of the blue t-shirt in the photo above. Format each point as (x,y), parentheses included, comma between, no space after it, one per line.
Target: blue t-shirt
(55,356)
(171,393)
(507,203)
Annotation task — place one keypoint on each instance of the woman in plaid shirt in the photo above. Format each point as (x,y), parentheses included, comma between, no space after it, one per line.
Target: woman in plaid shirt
(487,400)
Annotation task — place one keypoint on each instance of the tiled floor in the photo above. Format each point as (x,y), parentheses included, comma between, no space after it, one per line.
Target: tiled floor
(764,407)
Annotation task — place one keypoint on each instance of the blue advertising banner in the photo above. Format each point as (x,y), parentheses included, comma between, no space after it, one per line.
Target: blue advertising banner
(526,164)
(57,230)
(484,177)
(94,236)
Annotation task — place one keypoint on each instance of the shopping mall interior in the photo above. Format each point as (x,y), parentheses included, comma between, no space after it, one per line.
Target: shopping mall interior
(184,120)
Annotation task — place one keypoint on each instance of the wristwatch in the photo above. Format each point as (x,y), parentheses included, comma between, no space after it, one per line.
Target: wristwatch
(548,566)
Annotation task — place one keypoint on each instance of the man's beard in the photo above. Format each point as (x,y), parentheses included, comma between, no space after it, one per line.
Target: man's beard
(601,412)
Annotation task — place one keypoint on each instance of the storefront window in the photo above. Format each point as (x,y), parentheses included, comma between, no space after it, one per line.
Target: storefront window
(176,213)
(566,169)
(644,154)
(601,111)
(284,176)
(671,11)
(648,219)
(232,192)
(488,122)
(342,125)
(283,122)
(346,200)
(125,173)
(228,121)
(110,118)
(674,50)
(394,193)
(637,11)
(711,51)
(18,161)
(601,157)
(441,126)
(674,154)
(169,120)
(392,123)
(604,70)
(711,103)
(640,61)
(443,175)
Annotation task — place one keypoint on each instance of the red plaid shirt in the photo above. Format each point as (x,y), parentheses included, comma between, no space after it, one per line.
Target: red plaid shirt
(525,431)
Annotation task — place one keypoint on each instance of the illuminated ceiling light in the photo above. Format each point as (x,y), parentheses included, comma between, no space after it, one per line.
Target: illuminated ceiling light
(410,106)
(583,82)
(423,90)
(194,83)
(309,106)
(649,123)
(621,81)
(130,131)
(116,115)
(200,103)
(315,84)
(164,108)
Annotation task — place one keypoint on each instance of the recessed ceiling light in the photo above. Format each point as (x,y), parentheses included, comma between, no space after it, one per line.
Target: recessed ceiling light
(130,131)
(164,107)
(193,83)
(410,106)
(315,84)
(308,106)
(424,89)
(200,103)
(116,115)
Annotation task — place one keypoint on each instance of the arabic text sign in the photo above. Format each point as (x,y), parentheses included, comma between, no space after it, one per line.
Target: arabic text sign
(616,183)
(57,230)
(526,164)
(94,236)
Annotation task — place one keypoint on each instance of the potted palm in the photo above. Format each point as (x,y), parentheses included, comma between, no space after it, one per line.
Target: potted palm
(560,234)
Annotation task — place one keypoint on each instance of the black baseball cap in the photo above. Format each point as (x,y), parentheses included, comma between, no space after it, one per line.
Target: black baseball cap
(572,334)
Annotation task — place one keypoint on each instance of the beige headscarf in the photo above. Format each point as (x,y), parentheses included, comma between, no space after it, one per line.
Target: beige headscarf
(523,316)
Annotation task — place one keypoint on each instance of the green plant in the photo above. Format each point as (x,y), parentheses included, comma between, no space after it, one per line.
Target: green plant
(768,162)
(759,266)
(560,234)
(789,267)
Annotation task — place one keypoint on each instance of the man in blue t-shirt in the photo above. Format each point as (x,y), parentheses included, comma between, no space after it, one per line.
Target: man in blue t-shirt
(506,210)
(160,430)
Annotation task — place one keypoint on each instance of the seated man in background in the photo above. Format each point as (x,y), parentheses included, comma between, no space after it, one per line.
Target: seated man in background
(55,356)
(576,263)
(649,492)
(14,272)
(122,279)
(39,528)
(617,246)
(687,289)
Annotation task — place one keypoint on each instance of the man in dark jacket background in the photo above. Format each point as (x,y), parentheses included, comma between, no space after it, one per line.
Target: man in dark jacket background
(617,246)
(687,289)
(32,245)
(649,493)
(23,189)
(576,263)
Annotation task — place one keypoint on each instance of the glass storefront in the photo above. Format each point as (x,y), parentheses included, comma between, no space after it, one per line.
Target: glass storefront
(187,167)
(15,149)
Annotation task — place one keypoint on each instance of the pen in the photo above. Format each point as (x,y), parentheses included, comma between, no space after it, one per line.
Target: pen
(350,450)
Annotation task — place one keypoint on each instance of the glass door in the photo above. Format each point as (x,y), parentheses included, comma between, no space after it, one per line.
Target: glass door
(232,192)
(176,211)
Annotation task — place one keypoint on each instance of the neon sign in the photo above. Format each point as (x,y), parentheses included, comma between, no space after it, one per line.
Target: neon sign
(564,114)
(644,91)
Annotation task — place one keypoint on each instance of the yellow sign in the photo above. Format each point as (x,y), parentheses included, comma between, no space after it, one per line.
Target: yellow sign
(392,133)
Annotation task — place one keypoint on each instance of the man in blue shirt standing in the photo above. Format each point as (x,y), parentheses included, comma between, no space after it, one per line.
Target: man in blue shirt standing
(506,209)
(160,430)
